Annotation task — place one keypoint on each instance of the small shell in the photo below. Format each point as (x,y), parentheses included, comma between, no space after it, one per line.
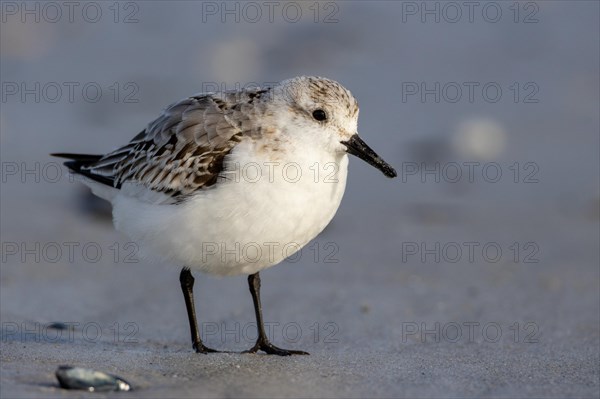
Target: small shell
(89,380)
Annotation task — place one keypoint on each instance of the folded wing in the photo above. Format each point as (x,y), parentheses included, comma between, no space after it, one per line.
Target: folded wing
(183,150)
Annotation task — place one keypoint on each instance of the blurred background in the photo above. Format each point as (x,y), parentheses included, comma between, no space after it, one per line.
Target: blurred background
(488,110)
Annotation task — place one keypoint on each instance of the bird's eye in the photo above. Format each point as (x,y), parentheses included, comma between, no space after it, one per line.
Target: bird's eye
(319,115)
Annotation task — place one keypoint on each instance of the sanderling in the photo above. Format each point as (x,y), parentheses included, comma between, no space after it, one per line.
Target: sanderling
(255,170)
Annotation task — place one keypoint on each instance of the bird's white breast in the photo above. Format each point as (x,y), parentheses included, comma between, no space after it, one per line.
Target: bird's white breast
(269,206)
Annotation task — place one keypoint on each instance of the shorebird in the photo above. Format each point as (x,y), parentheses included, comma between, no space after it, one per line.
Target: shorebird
(233,182)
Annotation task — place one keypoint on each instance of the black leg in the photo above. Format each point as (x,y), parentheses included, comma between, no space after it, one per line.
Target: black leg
(262,343)
(187,286)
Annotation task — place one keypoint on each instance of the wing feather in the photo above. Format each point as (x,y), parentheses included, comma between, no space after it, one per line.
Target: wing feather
(183,150)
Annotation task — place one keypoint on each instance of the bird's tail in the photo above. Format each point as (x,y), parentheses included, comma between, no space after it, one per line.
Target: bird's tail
(79,161)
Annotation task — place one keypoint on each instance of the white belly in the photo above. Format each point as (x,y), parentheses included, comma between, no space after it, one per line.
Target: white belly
(244,225)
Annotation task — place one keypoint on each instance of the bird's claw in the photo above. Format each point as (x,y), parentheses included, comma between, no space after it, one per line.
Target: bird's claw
(271,349)
(200,348)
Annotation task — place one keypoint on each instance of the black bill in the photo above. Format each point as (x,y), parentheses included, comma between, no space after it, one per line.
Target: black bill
(356,146)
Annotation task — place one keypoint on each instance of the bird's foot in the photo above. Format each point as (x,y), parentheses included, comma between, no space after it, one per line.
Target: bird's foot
(200,348)
(271,349)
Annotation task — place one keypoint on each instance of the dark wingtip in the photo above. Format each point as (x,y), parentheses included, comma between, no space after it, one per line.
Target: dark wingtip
(77,157)
(77,161)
